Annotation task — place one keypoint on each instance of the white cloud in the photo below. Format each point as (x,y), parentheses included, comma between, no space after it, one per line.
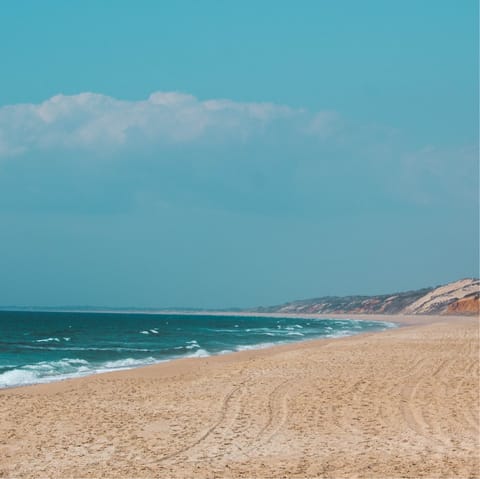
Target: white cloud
(98,122)
(326,144)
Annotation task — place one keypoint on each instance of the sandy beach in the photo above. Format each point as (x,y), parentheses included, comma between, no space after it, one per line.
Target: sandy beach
(399,403)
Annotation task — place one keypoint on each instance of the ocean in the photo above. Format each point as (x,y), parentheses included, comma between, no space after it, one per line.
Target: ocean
(39,347)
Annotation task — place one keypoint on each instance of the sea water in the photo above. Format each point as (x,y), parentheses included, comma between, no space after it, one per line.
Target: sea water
(37,347)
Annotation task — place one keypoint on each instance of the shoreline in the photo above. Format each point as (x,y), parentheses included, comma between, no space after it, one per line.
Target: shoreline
(398,320)
(403,402)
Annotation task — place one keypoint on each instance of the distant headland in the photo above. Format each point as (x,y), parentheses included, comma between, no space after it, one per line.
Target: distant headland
(458,297)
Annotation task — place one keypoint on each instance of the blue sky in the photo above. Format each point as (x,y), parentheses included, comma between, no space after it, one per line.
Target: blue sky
(217,154)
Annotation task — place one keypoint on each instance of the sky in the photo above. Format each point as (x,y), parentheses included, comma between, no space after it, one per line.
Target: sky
(235,154)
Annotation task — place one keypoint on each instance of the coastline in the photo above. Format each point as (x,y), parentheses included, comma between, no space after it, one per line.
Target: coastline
(398,320)
(264,412)
(205,350)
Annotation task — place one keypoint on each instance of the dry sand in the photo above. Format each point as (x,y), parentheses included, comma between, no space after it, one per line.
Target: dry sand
(400,403)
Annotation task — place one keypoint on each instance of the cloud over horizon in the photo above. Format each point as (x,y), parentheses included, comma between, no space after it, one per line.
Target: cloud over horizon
(91,121)
(255,156)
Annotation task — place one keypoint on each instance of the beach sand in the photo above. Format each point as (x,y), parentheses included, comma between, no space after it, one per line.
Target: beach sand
(399,403)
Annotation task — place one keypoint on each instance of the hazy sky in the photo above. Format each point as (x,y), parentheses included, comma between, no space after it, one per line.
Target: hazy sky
(245,153)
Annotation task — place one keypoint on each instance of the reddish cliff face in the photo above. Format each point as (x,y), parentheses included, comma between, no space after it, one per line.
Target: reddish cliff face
(469,305)
(459,297)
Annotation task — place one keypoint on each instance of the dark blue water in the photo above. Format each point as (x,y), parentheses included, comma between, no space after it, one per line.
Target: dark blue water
(45,346)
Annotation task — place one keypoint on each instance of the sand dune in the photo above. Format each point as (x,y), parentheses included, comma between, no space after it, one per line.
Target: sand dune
(401,403)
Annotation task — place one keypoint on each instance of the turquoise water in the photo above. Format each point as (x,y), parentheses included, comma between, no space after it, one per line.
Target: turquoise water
(46,346)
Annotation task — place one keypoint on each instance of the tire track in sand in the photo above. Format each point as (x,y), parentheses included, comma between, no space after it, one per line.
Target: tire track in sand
(221,418)
(471,416)
(277,408)
(414,404)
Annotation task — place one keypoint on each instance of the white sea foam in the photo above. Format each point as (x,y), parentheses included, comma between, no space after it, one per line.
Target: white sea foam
(340,334)
(55,365)
(388,324)
(258,330)
(44,371)
(247,347)
(47,340)
(199,353)
(66,368)
(17,377)
(127,363)
(192,345)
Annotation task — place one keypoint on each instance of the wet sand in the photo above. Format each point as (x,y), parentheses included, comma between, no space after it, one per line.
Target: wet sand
(399,403)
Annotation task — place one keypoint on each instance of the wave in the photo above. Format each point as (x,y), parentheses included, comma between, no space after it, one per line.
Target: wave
(17,377)
(44,371)
(150,331)
(199,353)
(66,368)
(128,363)
(248,347)
(191,344)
